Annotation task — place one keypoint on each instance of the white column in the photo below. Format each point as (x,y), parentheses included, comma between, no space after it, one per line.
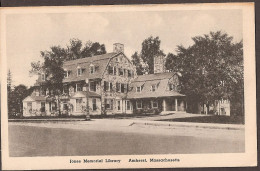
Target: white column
(176,104)
(164,105)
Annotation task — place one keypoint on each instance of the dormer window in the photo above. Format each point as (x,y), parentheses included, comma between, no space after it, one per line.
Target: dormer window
(43,77)
(172,87)
(79,71)
(66,73)
(92,69)
(153,87)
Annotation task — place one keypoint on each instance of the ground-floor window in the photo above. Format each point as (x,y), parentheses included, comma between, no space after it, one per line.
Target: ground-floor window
(78,104)
(128,105)
(118,105)
(65,106)
(42,106)
(29,107)
(94,104)
(109,104)
(139,104)
(154,104)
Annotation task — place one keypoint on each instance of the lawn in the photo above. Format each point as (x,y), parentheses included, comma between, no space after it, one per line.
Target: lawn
(210,119)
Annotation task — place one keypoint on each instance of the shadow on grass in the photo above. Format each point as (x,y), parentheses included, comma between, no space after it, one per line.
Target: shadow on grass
(210,119)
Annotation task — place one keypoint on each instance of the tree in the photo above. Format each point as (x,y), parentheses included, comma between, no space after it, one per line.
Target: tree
(54,58)
(212,69)
(137,63)
(150,49)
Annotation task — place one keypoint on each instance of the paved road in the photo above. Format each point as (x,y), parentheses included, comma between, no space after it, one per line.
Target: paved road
(90,138)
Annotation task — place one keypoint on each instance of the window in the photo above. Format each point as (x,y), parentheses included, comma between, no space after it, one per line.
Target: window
(121,71)
(79,71)
(78,87)
(118,87)
(66,74)
(114,70)
(118,105)
(43,77)
(172,87)
(153,88)
(65,89)
(122,88)
(110,70)
(78,104)
(128,105)
(92,86)
(92,69)
(109,104)
(125,72)
(154,104)
(108,86)
(139,104)
(138,89)
(29,107)
(42,106)
(129,73)
(94,104)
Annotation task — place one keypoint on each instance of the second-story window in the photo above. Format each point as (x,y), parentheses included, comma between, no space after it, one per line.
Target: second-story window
(79,71)
(114,70)
(92,69)
(139,89)
(110,70)
(121,71)
(92,86)
(66,74)
(129,73)
(43,77)
(118,87)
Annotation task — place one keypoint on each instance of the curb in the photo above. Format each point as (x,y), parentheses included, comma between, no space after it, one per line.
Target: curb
(195,125)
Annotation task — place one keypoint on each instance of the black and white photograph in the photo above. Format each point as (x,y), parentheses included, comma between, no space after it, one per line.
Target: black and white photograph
(137,86)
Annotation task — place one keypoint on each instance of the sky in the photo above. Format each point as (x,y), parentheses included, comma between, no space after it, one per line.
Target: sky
(28,34)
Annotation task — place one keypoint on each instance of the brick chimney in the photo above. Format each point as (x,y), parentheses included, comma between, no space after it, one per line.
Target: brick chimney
(118,47)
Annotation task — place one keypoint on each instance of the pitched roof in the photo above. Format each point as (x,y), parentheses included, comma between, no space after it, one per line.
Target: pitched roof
(160,80)
(34,98)
(100,62)
(156,76)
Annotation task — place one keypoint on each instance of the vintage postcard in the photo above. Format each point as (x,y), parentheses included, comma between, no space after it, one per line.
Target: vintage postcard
(136,86)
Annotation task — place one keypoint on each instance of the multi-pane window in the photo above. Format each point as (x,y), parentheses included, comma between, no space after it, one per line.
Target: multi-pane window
(118,87)
(109,104)
(92,86)
(108,86)
(154,104)
(78,87)
(153,88)
(128,105)
(94,104)
(138,89)
(110,70)
(79,71)
(78,104)
(139,104)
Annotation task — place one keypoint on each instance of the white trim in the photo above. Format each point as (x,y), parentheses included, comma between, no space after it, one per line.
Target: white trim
(141,104)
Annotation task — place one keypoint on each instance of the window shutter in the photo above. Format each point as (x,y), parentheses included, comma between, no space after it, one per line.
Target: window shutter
(105,86)
(111,87)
